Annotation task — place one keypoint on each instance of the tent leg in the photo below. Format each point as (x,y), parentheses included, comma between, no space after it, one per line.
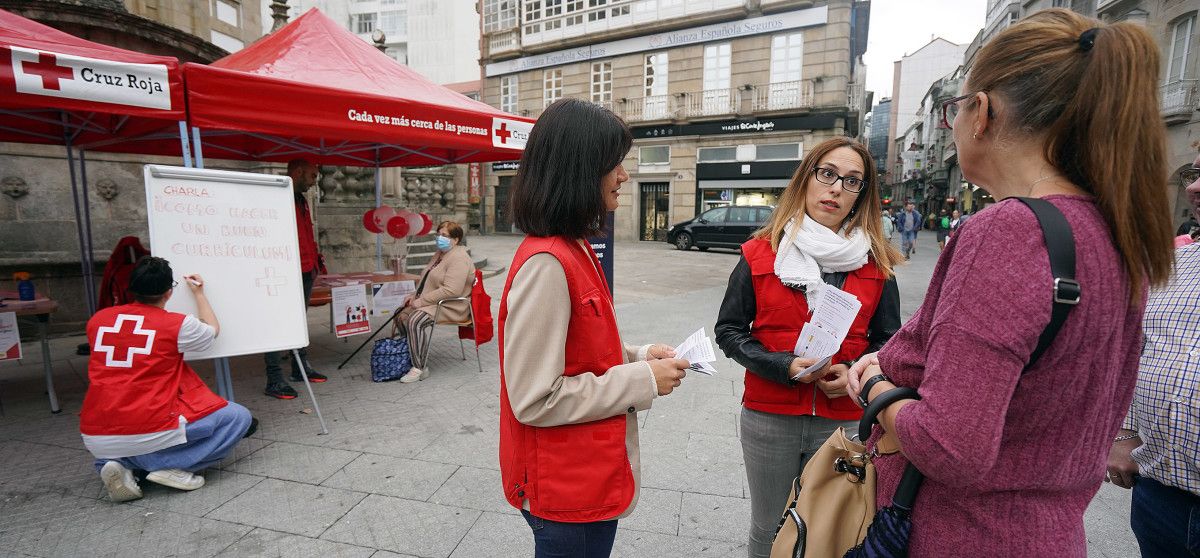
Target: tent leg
(90,252)
(83,259)
(378,202)
(198,148)
(183,142)
(308,386)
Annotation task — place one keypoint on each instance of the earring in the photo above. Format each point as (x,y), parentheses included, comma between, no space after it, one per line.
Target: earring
(975,135)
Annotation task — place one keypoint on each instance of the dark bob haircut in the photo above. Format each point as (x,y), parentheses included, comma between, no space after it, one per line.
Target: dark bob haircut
(557,189)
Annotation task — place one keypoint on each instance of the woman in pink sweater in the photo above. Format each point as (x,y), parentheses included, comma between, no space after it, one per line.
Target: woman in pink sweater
(1063,108)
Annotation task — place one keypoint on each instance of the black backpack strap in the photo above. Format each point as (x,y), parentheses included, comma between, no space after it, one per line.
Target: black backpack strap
(1060,246)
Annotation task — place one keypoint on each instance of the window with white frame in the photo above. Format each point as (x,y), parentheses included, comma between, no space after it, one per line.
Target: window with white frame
(533,10)
(574,5)
(394,23)
(787,57)
(716,66)
(596,3)
(508,94)
(229,43)
(620,11)
(499,15)
(551,86)
(601,82)
(654,155)
(1181,49)
(553,7)
(656,74)
(574,20)
(363,23)
(597,15)
(229,12)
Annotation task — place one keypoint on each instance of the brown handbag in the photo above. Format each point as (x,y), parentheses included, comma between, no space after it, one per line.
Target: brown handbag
(831,503)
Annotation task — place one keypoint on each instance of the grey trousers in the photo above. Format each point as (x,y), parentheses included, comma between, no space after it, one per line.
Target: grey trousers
(272,359)
(775,448)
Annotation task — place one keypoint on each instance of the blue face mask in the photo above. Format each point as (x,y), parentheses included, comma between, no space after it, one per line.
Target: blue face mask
(444,244)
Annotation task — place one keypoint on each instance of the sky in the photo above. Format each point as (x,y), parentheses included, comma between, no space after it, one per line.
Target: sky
(900,27)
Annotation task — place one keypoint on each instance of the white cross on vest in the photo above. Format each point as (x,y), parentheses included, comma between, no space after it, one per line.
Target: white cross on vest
(126,342)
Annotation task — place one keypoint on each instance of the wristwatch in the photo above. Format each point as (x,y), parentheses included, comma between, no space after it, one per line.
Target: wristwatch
(867,385)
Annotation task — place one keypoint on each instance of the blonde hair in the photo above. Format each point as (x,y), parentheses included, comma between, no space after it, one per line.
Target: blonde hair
(1093,90)
(867,213)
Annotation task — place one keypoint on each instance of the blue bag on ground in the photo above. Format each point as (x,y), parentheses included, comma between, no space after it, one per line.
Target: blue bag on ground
(390,359)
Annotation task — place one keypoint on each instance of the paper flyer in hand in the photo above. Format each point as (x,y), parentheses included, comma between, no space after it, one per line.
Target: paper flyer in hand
(697,349)
(834,311)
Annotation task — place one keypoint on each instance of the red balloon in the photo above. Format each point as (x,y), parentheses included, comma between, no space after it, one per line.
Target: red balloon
(428,226)
(397,227)
(369,222)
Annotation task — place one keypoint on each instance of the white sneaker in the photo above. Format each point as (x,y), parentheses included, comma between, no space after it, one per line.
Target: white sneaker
(176,478)
(119,481)
(414,375)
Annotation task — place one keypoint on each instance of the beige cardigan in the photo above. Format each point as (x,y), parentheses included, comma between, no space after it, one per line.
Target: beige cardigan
(535,338)
(451,277)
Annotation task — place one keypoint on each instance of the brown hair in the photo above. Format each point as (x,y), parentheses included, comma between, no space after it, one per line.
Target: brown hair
(1093,90)
(866,214)
(454,229)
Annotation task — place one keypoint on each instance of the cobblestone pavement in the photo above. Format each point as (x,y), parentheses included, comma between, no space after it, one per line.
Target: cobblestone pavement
(411,469)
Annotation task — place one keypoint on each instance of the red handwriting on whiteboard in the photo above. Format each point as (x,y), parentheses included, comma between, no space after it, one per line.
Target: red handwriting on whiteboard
(254,213)
(163,205)
(188,191)
(280,253)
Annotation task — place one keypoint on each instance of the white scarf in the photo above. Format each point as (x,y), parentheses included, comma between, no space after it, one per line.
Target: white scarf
(815,249)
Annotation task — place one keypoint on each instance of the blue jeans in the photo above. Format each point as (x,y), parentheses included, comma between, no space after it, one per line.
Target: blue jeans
(1165,520)
(209,440)
(553,539)
(907,238)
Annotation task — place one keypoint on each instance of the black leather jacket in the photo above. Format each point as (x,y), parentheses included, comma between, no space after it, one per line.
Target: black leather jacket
(739,307)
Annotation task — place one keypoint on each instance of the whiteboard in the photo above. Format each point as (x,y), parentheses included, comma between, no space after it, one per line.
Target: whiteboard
(237,230)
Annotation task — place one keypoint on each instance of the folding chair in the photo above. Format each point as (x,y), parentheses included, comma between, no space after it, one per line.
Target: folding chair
(437,314)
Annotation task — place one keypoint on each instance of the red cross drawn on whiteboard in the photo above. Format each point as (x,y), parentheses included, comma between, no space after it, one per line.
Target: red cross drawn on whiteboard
(125,338)
(270,281)
(48,69)
(503,133)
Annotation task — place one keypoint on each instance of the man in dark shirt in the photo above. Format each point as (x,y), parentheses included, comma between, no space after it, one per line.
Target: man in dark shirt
(304,176)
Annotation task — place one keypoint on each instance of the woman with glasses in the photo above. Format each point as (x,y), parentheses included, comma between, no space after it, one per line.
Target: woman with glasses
(1013,446)
(826,231)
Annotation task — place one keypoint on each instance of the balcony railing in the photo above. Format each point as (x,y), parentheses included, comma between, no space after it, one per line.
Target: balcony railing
(504,41)
(783,95)
(712,102)
(1179,100)
(654,107)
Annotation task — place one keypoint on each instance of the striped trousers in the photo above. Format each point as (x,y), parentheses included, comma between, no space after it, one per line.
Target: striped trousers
(417,325)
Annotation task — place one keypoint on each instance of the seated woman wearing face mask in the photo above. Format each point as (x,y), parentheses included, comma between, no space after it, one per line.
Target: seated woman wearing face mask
(450,274)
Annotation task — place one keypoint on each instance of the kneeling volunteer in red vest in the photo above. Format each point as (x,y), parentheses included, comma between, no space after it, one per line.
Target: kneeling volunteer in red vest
(145,408)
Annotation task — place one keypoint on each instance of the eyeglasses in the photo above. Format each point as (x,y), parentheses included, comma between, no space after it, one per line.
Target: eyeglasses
(174,284)
(1188,176)
(850,184)
(950,109)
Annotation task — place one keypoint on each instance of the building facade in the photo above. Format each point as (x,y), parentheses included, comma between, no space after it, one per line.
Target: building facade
(229,24)
(438,39)
(877,137)
(913,74)
(722,95)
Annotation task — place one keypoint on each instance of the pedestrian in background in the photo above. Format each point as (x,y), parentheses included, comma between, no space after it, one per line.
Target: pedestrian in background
(1189,178)
(889,225)
(825,232)
(1063,108)
(570,389)
(943,229)
(908,222)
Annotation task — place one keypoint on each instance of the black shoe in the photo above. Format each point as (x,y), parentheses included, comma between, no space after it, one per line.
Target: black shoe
(280,390)
(252,429)
(313,376)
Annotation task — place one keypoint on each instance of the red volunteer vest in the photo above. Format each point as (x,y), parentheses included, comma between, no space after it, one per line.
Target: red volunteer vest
(578,472)
(304,231)
(138,381)
(780,313)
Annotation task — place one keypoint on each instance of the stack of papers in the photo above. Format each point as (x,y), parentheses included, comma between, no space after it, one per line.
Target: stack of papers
(834,311)
(698,350)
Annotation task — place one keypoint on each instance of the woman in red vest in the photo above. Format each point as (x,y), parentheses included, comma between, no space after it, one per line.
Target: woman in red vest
(826,231)
(570,389)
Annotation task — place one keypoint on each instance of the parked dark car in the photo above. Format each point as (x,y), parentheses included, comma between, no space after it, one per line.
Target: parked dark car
(720,227)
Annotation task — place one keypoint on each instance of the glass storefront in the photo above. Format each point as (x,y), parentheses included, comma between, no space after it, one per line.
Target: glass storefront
(717,197)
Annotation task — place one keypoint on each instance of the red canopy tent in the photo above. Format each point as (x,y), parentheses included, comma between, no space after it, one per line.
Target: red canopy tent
(314,89)
(56,88)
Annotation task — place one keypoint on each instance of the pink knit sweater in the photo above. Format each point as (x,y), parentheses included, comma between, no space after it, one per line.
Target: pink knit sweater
(1012,461)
